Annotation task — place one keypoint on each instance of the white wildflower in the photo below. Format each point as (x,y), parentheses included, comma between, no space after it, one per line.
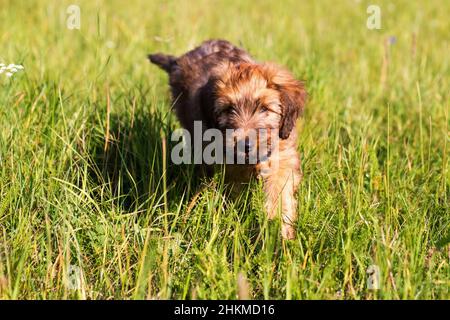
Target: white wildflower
(10,69)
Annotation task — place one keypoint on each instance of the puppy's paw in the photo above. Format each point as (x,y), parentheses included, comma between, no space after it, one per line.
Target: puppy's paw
(287,232)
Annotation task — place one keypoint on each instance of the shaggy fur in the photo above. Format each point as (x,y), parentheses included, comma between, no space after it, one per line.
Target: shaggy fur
(222,86)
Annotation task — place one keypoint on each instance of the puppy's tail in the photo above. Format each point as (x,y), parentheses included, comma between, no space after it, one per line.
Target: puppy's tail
(164,61)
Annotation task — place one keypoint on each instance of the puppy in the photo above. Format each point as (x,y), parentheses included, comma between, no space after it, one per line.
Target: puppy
(222,86)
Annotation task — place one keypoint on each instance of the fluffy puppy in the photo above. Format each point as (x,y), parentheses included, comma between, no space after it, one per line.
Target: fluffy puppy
(225,88)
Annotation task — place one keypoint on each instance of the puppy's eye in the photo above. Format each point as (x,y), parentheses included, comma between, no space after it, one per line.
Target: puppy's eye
(263,109)
(227,110)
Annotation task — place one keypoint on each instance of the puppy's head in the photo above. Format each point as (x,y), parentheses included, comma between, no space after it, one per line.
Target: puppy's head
(250,98)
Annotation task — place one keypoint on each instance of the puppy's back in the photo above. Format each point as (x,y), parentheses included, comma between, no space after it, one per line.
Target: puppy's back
(192,70)
(215,49)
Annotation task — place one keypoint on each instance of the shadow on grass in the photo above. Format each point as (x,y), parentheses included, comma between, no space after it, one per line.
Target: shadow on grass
(132,164)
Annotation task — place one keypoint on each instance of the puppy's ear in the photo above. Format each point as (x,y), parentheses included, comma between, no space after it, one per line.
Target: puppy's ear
(292,96)
(207,97)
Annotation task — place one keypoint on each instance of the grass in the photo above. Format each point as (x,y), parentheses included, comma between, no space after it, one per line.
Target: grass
(92,208)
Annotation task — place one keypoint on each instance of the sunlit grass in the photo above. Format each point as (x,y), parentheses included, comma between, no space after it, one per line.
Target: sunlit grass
(87,212)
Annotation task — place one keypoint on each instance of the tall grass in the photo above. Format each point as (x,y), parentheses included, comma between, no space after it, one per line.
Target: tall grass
(92,208)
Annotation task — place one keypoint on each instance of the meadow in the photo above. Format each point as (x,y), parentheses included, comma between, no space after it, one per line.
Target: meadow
(91,206)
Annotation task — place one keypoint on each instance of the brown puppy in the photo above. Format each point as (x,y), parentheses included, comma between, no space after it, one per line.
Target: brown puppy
(224,88)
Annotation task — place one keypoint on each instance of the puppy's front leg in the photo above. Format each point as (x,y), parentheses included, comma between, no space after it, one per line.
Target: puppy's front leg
(281,178)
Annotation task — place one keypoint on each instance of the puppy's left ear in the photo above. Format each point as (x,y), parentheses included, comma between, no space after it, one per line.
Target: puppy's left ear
(292,95)
(207,99)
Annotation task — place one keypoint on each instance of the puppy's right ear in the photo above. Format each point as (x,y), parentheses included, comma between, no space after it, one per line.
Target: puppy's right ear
(207,97)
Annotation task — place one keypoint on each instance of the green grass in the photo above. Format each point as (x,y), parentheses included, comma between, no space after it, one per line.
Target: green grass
(374,146)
